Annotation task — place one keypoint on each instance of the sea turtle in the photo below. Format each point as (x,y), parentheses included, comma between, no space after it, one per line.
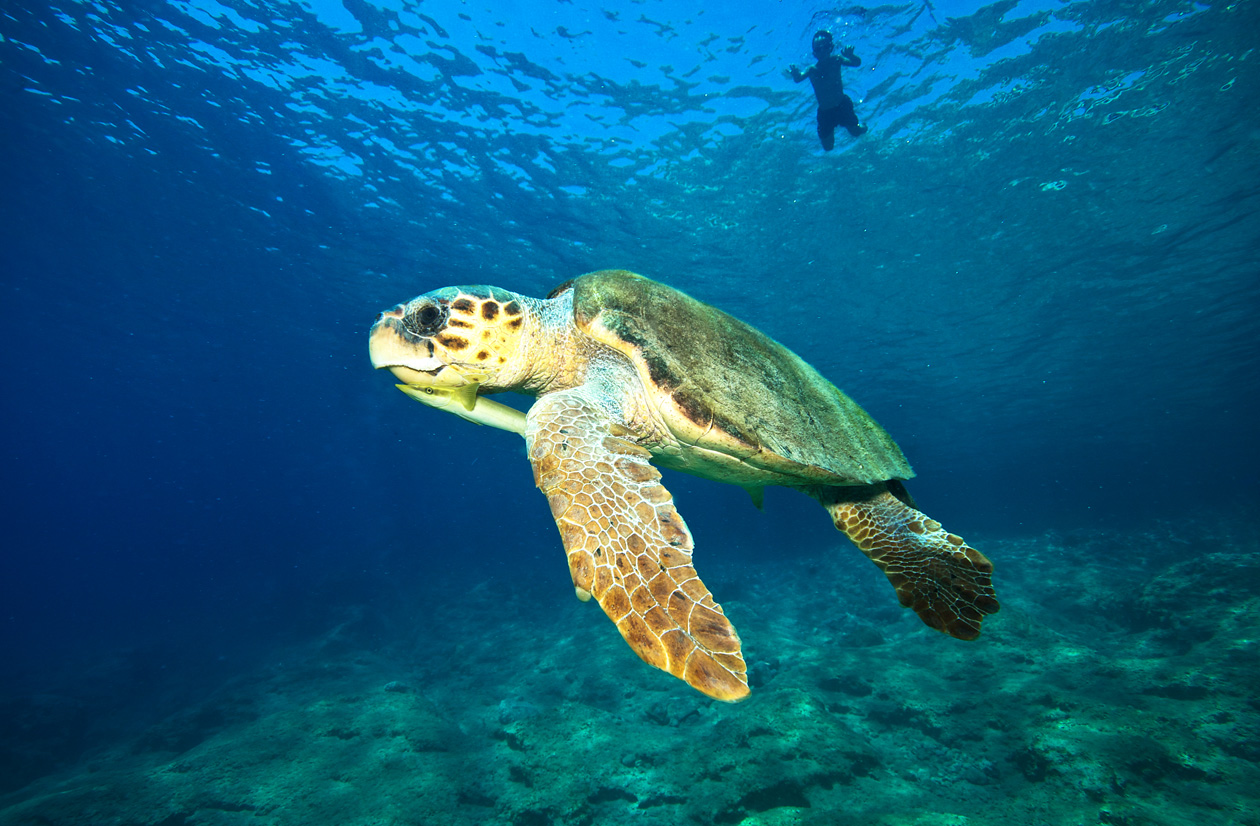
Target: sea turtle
(628,371)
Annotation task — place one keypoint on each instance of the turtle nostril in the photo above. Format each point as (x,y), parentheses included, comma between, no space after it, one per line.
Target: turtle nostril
(397,312)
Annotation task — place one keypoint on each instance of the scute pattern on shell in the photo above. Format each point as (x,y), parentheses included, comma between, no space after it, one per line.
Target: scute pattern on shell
(724,385)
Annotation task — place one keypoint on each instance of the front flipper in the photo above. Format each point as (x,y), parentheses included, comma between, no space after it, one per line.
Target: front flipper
(947,583)
(628,546)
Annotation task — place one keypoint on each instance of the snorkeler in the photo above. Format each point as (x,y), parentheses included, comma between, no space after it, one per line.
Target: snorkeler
(834,106)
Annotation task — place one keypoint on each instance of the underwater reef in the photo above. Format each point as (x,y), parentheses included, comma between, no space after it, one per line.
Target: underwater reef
(1116,686)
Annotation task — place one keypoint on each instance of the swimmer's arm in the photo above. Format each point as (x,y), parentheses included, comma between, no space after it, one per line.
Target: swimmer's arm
(796,74)
(848,58)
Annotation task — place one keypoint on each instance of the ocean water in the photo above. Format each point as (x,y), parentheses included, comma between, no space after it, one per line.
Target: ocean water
(244,580)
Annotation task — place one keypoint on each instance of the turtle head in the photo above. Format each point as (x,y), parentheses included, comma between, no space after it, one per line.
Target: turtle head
(452,339)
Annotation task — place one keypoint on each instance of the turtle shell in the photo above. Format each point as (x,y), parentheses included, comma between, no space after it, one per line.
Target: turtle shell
(723,386)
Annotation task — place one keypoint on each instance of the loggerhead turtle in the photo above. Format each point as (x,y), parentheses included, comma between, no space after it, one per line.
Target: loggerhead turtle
(628,371)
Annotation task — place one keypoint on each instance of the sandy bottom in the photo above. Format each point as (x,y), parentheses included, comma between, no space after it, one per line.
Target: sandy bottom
(1117,686)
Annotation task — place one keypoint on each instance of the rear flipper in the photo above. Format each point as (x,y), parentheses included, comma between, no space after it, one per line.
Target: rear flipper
(946,582)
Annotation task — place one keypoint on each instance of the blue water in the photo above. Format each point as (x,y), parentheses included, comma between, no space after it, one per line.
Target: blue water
(1037,271)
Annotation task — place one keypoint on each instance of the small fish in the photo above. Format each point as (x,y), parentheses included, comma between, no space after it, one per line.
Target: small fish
(465,403)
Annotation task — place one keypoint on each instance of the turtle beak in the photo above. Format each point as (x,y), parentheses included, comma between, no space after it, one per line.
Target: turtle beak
(415,360)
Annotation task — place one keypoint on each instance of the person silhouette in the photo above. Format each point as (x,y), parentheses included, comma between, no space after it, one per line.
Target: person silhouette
(834,106)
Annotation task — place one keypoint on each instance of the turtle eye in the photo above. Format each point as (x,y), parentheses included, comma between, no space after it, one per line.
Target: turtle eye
(425,319)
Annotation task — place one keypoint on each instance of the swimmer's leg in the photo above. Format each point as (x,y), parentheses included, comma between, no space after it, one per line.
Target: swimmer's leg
(827,128)
(848,118)
(827,135)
